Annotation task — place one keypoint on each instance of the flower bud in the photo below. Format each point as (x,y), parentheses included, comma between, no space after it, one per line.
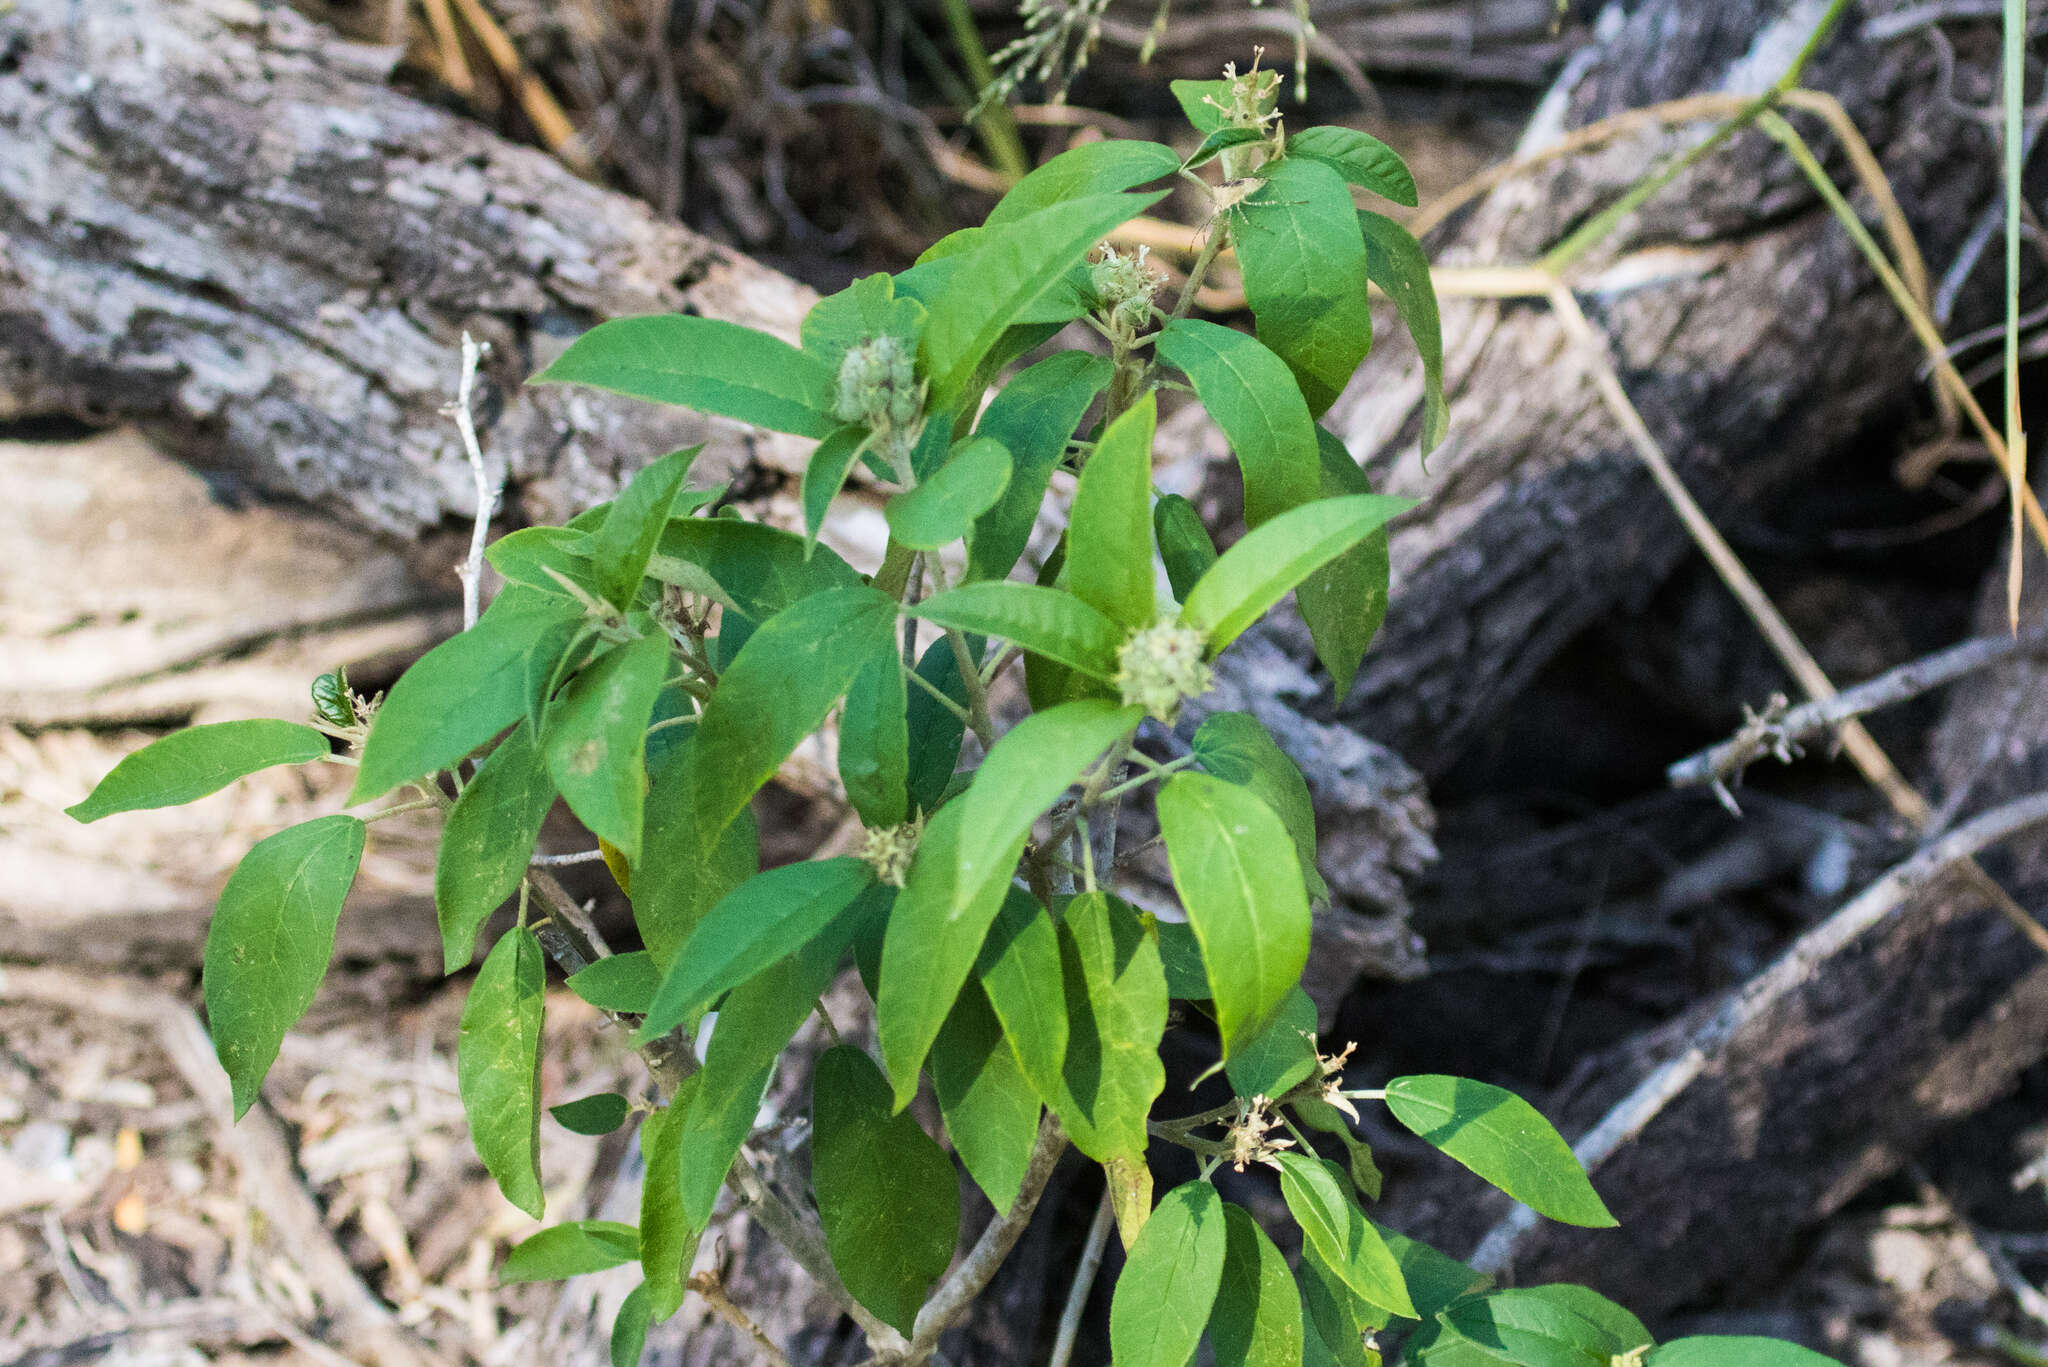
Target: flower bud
(1124,286)
(888,850)
(878,385)
(1161,667)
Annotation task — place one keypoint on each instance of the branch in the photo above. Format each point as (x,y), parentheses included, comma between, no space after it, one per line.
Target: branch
(713,1292)
(486,490)
(1084,1282)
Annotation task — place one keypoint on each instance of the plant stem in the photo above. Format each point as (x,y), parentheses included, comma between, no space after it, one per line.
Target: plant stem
(996,125)
(1084,1282)
(1158,771)
(712,1290)
(1199,271)
(938,695)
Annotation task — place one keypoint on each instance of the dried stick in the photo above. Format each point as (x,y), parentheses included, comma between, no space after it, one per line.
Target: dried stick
(1780,732)
(713,1292)
(486,488)
(1084,1282)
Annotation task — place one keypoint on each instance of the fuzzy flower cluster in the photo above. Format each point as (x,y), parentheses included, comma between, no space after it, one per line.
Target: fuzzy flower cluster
(888,850)
(1250,100)
(1124,286)
(1249,1139)
(878,386)
(1330,1068)
(1161,667)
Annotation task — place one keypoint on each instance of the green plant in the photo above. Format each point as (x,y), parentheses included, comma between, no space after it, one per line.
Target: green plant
(655,661)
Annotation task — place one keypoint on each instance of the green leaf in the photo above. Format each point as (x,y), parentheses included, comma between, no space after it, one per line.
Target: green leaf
(1434,1279)
(825,474)
(1503,1139)
(488,840)
(187,765)
(1164,1294)
(1235,747)
(1033,416)
(599,1113)
(1621,1331)
(1395,262)
(629,1330)
(866,309)
(1304,275)
(1735,1350)
(942,509)
(1256,1321)
(622,544)
(270,941)
(935,732)
(1253,397)
(754,570)
(1344,602)
(1181,955)
(1116,1013)
(619,982)
(1025,773)
(1360,158)
(1318,1114)
(668,1241)
(1184,542)
(1108,564)
(1219,142)
(759,922)
(677,881)
(570,1250)
(1045,621)
(1235,870)
(874,742)
(596,740)
(1195,102)
(1340,1234)
(459,694)
(705,364)
(1337,1318)
(1093,168)
(1279,1056)
(1011,268)
(535,556)
(1270,559)
(1536,1327)
(886,1192)
(1021,976)
(778,690)
(497,1065)
(990,1109)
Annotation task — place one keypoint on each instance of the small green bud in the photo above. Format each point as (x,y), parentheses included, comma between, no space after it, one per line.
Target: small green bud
(1124,286)
(888,850)
(1161,666)
(878,385)
(332,701)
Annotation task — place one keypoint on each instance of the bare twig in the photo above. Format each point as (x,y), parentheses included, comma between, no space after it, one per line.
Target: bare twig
(474,351)
(1084,1282)
(555,861)
(1779,732)
(713,1292)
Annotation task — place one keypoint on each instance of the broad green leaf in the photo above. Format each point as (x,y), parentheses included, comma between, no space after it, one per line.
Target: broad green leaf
(1045,621)
(1337,1319)
(1235,869)
(1036,761)
(596,739)
(953,257)
(1108,566)
(1253,397)
(990,1109)
(1621,1330)
(1735,1350)
(705,364)
(935,732)
(1395,262)
(1219,142)
(187,765)
(622,543)
(598,1113)
(1033,416)
(1201,102)
(763,920)
(270,941)
(874,742)
(668,1241)
(754,570)
(1116,1013)
(1279,1056)
(1536,1327)
(933,938)
(619,982)
(1093,168)
(676,881)
(497,1065)
(1503,1139)
(1270,559)
(1340,1234)
(1319,1114)
(887,1196)
(1236,748)
(1184,542)
(825,474)
(866,309)
(1434,1279)
(1168,1285)
(1014,265)
(541,557)
(459,694)
(1180,953)
(1256,1321)
(1303,260)
(570,1250)
(1360,158)
(1344,602)
(942,509)
(778,690)
(629,1329)
(1021,975)
(488,840)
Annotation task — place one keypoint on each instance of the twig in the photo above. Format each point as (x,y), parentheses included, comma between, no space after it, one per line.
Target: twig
(552,861)
(486,489)
(1720,763)
(713,1291)
(1084,1282)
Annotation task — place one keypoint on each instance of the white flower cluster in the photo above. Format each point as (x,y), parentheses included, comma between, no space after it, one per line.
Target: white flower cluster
(1161,667)
(888,850)
(1124,286)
